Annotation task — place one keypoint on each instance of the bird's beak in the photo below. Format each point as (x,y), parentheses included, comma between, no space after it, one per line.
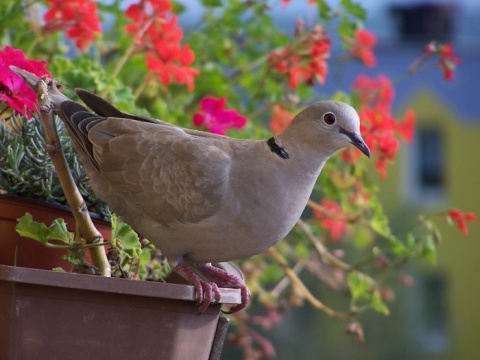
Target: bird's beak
(357,141)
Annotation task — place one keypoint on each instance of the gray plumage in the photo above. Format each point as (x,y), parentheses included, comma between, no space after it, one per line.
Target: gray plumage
(201,197)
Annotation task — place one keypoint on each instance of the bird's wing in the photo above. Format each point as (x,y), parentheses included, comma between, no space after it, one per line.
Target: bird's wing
(159,170)
(104,108)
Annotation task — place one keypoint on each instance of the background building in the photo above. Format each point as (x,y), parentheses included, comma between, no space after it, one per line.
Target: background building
(439,317)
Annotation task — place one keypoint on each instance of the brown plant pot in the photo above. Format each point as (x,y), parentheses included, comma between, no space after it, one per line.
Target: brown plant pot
(29,253)
(50,315)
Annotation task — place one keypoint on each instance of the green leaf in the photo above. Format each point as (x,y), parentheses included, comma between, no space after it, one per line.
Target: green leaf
(398,248)
(124,238)
(27,227)
(324,10)
(346,28)
(341,96)
(71,259)
(378,304)
(212,3)
(379,221)
(429,250)
(354,9)
(360,286)
(411,241)
(362,237)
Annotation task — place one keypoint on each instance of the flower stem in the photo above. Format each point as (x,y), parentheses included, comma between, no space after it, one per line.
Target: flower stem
(85,226)
(304,290)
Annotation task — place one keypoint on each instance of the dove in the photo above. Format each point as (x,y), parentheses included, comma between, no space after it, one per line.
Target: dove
(203,198)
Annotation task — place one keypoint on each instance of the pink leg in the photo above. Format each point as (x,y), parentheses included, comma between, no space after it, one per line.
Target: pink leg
(206,291)
(228,280)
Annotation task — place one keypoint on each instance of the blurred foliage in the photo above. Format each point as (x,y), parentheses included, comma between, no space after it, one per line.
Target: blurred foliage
(240,55)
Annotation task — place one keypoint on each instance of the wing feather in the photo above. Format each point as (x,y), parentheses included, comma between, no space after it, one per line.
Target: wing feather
(166,173)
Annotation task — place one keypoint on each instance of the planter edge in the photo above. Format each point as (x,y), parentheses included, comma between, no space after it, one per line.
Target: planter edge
(110,285)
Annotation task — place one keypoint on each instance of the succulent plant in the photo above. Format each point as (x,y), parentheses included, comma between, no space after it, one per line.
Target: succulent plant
(27,171)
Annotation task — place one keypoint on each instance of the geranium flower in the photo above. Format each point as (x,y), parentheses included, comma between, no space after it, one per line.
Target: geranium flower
(281,117)
(306,62)
(217,119)
(332,219)
(362,48)
(78,18)
(16,94)
(377,93)
(158,33)
(406,128)
(447,60)
(461,219)
(378,127)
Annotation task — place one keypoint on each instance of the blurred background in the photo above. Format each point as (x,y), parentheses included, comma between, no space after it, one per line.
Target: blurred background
(438,316)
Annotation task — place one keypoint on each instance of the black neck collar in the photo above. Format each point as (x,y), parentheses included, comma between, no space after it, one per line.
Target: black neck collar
(275,148)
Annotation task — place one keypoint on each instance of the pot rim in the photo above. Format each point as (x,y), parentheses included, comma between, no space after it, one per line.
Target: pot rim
(21,275)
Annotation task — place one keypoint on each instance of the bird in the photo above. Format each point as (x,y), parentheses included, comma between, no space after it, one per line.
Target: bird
(203,198)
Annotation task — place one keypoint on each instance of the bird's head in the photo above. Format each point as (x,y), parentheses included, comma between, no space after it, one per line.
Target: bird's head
(330,125)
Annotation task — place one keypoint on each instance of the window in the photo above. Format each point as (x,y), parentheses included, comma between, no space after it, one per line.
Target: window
(425,167)
(423,21)
(430,162)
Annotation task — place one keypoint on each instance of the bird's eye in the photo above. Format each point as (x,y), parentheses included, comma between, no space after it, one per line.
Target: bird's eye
(329,118)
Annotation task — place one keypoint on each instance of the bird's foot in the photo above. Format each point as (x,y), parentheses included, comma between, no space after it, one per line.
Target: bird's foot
(226,279)
(207,292)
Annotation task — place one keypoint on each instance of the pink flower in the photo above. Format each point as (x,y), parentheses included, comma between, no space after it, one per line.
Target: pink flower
(217,119)
(13,90)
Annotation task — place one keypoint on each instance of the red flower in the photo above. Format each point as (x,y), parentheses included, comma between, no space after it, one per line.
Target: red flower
(448,61)
(332,219)
(461,219)
(378,127)
(216,118)
(78,18)
(360,197)
(406,128)
(378,93)
(171,62)
(280,118)
(13,90)
(159,35)
(306,61)
(362,49)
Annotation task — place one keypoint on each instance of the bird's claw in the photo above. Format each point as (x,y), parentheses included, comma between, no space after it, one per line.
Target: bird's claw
(245,294)
(207,293)
(228,280)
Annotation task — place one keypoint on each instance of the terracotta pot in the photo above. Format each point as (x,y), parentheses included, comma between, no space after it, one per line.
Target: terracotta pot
(50,315)
(27,252)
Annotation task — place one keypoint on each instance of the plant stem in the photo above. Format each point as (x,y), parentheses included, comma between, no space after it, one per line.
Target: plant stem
(132,47)
(124,59)
(85,226)
(305,292)
(325,255)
